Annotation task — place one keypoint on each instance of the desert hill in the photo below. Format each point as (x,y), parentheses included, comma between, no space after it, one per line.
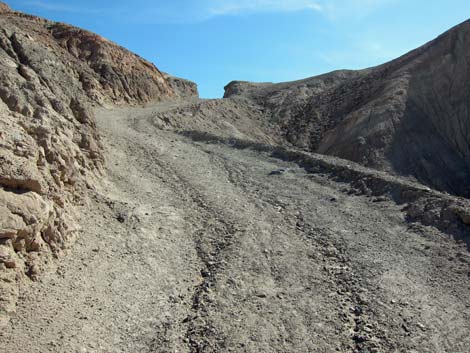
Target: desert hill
(409,116)
(329,214)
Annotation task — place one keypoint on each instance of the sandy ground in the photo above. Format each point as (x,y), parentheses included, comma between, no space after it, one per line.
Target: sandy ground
(192,246)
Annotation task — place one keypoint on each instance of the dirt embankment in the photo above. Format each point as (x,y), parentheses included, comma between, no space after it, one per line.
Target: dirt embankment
(50,76)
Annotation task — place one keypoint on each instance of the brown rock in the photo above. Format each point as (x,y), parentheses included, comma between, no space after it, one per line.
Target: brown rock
(7,257)
(4,8)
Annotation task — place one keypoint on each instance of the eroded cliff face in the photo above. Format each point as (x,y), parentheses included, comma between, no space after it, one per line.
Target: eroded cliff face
(415,120)
(409,116)
(50,152)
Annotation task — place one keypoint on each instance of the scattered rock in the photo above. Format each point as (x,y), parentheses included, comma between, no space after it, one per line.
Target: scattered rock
(121,218)
(360,338)
(8,257)
(278,171)
(357,310)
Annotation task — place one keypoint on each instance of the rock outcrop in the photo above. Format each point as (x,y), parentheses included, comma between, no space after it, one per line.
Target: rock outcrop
(50,152)
(409,116)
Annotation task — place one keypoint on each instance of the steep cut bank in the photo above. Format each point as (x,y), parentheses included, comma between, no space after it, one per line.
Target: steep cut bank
(50,152)
(409,116)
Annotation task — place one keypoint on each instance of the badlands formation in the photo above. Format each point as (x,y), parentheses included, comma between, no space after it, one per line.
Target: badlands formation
(329,214)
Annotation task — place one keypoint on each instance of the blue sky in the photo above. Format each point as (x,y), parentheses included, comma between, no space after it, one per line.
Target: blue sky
(215,41)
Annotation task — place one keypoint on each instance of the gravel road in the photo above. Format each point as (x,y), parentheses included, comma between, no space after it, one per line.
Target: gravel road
(199,246)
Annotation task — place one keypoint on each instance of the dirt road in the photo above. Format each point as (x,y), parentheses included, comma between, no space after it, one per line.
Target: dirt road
(196,246)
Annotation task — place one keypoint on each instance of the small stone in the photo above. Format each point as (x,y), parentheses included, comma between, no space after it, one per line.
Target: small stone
(7,257)
(362,299)
(465,217)
(278,171)
(421,326)
(360,338)
(187,319)
(358,311)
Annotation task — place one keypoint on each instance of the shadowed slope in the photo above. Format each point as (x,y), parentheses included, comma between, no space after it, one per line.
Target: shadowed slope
(409,116)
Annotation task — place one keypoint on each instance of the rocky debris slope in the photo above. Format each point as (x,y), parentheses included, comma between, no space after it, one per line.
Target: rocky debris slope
(202,243)
(448,213)
(234,118)
(409,116)
(50,151)
(241,124)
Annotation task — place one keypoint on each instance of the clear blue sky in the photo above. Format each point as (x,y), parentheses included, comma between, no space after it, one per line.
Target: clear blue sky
(215,41)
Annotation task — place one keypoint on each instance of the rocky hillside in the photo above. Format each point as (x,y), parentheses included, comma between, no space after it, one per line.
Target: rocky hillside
(409,116)
(50,76)
(207,227)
